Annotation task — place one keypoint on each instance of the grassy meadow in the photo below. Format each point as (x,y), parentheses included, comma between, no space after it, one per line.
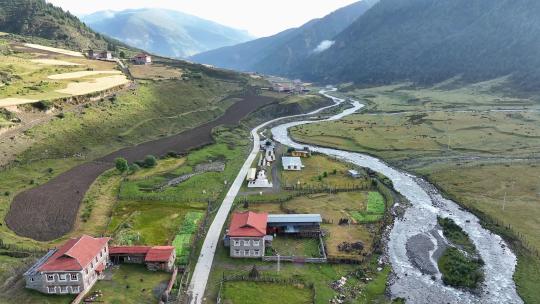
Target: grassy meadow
(265,293)
(477,143)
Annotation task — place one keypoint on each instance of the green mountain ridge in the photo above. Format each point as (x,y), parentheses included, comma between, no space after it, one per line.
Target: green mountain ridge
(37,18)
(429,41)
(280,53)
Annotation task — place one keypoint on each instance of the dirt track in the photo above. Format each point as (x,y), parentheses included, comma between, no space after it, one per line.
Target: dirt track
(49,211)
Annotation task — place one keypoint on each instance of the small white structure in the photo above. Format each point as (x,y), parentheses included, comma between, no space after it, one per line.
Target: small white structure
(252,174)
(261,181)
(354,174)
(292,163)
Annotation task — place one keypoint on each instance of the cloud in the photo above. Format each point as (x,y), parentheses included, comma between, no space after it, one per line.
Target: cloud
(323,46)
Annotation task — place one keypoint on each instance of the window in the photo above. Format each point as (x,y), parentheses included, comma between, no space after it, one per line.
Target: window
(86,270)
(31,279)
(50,277)
(236,252)
(73,277)
(63,289)
(101,254)
(236,243)
(75,289)
(256,243)
(246,252)
(257,252)
(96,259)
(246,243)
(92,265)
(51,289)
(62,277)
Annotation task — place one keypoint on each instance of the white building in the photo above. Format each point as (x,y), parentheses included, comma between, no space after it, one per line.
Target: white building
(292,163)
(261,181)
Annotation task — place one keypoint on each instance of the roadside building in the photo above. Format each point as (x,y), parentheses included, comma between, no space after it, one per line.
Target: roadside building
(105,55)
(72,268)
(246,235)
(251,175)
(291,163)
(154,257)
(298,224)
(261,181)
(142,58)
(160,258)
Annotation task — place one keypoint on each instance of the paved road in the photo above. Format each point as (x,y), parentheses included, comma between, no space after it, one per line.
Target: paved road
(201,272)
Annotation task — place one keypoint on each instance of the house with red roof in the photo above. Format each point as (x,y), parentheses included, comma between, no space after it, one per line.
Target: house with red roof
(142,58)
(246,235)
(154,257)
(72,268)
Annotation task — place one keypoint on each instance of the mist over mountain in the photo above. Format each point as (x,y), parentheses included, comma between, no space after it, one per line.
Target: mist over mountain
(279,53)
(165,32)
(428,41)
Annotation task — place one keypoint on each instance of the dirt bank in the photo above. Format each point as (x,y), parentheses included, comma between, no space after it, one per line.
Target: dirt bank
(49,211)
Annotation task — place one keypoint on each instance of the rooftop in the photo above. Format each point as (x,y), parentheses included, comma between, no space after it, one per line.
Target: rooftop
(248,224)
(294,218)
(289,161)
(159,254)
(75,254)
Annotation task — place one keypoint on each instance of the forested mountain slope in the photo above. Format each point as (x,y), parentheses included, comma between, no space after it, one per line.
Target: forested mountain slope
(279,53)
(428,41)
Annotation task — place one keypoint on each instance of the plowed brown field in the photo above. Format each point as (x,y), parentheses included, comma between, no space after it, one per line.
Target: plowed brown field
(49,211)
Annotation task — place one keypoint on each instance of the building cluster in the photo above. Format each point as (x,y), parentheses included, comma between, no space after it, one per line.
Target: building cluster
(293,162)
(257,177)
(75,266)
(295,86)
(250,234)
(140,59)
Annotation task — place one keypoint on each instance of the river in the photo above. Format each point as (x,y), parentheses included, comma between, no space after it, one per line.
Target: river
(418,228)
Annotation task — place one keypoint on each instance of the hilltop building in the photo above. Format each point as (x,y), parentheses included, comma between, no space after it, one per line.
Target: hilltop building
(142,58)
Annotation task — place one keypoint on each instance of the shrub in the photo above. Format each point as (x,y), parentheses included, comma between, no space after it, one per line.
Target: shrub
(150,161)
(134,168)
(121,164)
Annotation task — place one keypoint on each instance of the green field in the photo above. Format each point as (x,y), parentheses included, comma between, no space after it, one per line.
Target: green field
(374,210)
(265,293)
(483,159)
(132,284)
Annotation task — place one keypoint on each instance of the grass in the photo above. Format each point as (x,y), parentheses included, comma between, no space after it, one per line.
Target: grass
(148,223)
(451,136)
(183,240)
(312,175)
(132,284)
(294,246)
(374,211)
(265,293)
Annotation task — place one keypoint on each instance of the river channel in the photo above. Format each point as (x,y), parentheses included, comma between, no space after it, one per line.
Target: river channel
(414,238)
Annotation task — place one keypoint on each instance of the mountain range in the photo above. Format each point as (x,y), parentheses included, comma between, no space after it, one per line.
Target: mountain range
(164,32)
(428,41)
(280,53)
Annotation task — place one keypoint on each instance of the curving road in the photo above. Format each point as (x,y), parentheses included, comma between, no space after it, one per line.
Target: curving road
(203,267)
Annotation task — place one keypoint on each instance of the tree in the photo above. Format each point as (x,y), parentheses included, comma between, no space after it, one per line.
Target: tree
(134,168)
(121,164)
(254,273)
(150,161)
(122,54)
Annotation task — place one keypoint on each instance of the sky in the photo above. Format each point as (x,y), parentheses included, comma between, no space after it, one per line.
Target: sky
(259,17)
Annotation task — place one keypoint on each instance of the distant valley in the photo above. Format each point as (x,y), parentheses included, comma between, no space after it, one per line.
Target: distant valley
(164,32)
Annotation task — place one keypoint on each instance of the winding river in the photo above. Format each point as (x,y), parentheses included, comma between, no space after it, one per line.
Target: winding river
(418,229)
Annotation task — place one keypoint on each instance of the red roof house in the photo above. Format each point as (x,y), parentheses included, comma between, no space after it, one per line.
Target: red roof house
(75,254)
(248,224)
(159,254)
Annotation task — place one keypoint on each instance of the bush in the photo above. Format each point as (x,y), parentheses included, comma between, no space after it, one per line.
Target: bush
(459,270)
(134,168)
(150,161)
(121,164)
